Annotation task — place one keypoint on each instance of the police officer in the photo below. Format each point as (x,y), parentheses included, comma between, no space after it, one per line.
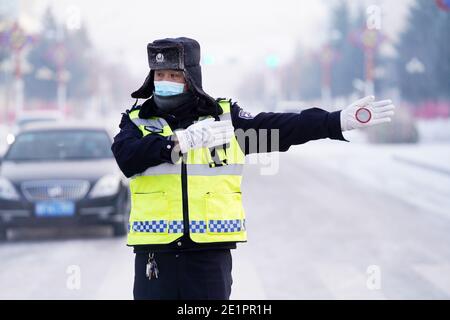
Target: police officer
(185,161)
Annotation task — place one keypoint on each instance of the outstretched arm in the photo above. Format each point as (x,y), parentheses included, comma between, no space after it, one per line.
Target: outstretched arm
(308,125)
(293,128)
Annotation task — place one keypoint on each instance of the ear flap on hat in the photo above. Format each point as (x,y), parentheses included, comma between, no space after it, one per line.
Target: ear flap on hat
(146,90)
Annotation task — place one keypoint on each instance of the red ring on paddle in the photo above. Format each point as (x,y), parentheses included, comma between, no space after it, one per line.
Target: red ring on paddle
(358,115)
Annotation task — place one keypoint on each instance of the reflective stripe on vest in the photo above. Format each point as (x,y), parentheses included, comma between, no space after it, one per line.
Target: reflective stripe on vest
(151,125)
(214,178)
(163,226)
(193,170)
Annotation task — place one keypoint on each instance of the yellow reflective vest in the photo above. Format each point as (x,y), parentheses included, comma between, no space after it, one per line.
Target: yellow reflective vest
(201,195)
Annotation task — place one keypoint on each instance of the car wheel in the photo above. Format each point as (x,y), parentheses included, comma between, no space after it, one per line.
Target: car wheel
(121,228)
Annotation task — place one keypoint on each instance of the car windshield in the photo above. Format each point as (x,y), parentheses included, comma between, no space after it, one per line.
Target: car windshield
(24,122)
(60,145)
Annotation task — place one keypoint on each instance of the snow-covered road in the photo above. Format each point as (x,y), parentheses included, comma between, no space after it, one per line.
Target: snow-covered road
(315,227)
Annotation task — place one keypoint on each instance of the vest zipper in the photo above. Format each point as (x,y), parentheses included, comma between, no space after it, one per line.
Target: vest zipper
(185,197)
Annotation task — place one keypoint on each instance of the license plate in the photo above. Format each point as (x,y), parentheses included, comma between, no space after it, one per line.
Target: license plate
(55,209)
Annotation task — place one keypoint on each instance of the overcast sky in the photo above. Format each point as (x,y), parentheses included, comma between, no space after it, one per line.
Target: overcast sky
(243,31)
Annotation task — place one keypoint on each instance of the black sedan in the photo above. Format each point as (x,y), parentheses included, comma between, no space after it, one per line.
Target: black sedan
(62,175)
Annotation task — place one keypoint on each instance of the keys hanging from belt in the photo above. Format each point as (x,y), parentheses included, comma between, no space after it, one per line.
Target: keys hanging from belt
(152,267)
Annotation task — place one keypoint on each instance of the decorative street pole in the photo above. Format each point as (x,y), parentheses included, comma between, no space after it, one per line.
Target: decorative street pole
(443,5)
(57,55)
(60,55)
(368,40)
(327,57)
(15,40)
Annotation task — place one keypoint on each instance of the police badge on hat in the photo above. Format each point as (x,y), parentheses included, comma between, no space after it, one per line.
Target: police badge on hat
(168,56)
(245,115)
(159,58)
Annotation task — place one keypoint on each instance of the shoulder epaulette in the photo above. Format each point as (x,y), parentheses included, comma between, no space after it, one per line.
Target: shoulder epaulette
(134,108)
(223,99)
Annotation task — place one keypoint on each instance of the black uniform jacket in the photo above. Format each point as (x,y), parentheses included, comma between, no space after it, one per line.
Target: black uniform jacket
(135,153)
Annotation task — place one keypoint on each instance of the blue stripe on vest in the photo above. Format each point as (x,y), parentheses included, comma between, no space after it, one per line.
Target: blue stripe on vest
(150,226)
(197,226)
(177,226)
(223,226)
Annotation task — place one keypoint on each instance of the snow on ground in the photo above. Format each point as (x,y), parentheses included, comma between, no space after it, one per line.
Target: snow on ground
(47,264)
(434,130)
(418,173)
(335,209)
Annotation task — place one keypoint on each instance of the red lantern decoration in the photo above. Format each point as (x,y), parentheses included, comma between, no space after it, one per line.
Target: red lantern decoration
(443,5)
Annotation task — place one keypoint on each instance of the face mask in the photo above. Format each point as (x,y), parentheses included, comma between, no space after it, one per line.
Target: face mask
(168,88)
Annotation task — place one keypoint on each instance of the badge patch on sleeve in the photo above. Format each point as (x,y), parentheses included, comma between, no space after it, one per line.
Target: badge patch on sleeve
(154,129)
(245,115)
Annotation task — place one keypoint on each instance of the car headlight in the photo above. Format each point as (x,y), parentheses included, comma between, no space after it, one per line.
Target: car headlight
(7,190)
(105,187)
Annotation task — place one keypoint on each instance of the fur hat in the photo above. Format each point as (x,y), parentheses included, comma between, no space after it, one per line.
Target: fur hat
(179,54)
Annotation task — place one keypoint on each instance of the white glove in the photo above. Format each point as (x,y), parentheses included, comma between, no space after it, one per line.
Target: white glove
(206,133)
(365,113)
